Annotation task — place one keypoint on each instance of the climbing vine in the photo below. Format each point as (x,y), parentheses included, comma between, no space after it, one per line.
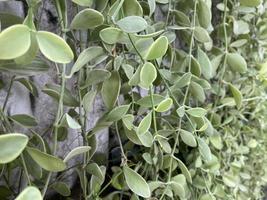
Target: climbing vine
(183,86)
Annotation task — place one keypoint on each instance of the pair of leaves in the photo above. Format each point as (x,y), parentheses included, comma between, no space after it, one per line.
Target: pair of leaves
(16,40)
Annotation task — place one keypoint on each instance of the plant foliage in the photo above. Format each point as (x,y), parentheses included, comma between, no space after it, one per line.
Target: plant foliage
(185,96)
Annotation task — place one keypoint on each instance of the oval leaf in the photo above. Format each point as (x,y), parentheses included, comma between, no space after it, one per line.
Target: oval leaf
(117,113)
(110,89)
(145,124)
(148,75)
(11,146)
(237,95)
(236,62)
(87,19)
(24,120)
(165,105)
(158,48)
(46,161)
(76,151)
(188,138)
(54,47)
(132,24)
(197,112)
(14,42)
(136,183)
(30,193)
(113,35)
(201,35)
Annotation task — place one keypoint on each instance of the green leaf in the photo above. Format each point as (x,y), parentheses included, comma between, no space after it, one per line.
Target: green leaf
(24,120)
(183,80)
(184,169)
(196,112)
(157,49)
(188,138)
(201,35)
(85,3)
(165,145)
(11,146)
(204,149)
(132,24)
(197,91)
(132,8)
(136,183)
(36,67)
(128,121)
(146,139)
(204,14)
(165,105)
(250,3)
(152,7)
(95,170)
(181,19)
(54,47)
(31,53)
(236,62)
(205,64)
(46,161)
(113,35)
(30,193)
(241,27)
(145,124)
(238,97)
(29,85)
(135,79)
(146,101)
(68,122)
(229,180)
(96,76)
(148,75)
(14,42)
(110,89)
(117,113)
(87,19)
(54,91)
(178,189)
(88,100)
(77,151)
(85,57)
(61,188)
(195,66)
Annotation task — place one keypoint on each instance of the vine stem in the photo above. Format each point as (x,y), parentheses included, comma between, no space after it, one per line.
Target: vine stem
(124,157)
(225,57)
(60,103)
(8,92)
(185,97)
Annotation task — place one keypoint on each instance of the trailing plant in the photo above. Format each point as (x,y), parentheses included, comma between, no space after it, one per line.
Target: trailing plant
(184,96)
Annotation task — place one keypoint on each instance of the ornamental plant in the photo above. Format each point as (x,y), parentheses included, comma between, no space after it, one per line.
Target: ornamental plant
(184,88)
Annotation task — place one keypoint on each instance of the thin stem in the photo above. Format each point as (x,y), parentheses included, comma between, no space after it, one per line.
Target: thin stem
(58,117)
(185,96)
(139,54)
(8,92)
(123,156)
(153,110)
(25,169)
